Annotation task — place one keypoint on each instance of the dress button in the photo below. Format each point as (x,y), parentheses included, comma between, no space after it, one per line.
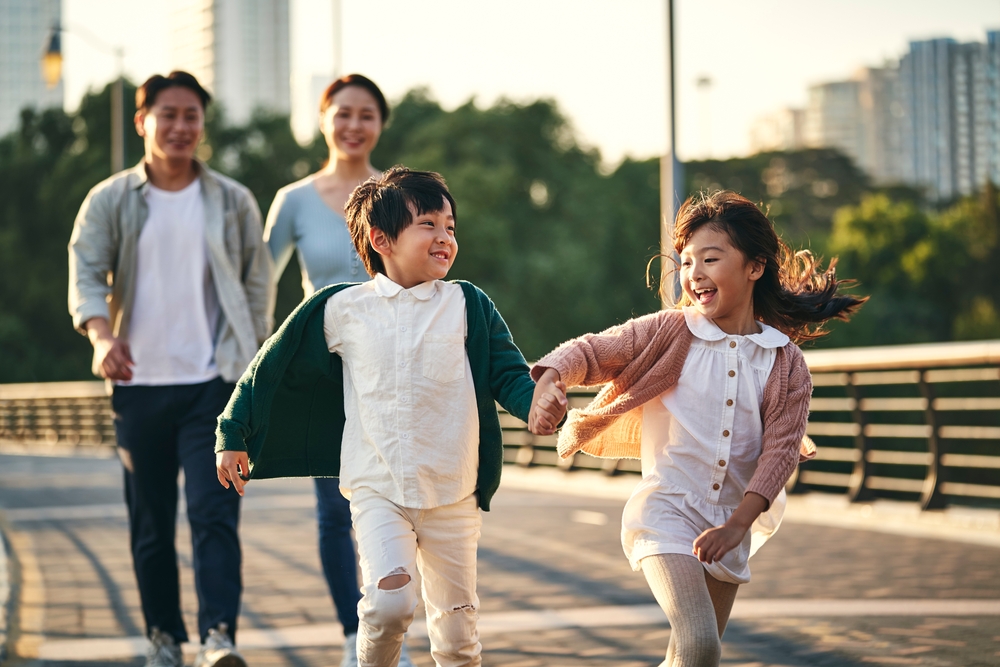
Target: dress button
(722,464)
(725,434)
(732,374)
(729,401)
(732,343)
(715,487)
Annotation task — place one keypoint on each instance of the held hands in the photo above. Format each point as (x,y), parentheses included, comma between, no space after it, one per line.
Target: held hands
(233,467)
(716,542)
(548,404)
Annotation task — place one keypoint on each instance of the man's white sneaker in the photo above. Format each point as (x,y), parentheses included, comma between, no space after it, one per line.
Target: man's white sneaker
(218,650)
(350,658)
(163,651)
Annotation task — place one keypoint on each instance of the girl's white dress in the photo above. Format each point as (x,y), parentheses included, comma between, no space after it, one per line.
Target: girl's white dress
(700,443)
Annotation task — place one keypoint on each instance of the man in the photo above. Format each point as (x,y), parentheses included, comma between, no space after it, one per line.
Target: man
(170,281)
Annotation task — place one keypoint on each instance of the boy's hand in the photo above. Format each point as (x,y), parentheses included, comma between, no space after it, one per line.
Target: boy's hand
(548,404)
(233,467)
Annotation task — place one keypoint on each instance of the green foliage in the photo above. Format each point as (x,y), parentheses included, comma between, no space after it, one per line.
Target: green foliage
(933,276)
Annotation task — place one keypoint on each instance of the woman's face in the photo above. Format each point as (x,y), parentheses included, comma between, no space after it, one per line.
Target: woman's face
(352,123)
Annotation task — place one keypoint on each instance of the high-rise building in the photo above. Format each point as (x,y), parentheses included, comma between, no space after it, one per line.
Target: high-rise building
(833,118)
(25,26)
(238,49)
(881,123)
(782,130)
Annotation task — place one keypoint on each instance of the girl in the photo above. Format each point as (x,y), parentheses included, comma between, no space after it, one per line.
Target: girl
(715,397)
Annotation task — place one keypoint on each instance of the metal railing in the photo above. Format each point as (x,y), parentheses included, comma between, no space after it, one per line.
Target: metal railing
(911,421)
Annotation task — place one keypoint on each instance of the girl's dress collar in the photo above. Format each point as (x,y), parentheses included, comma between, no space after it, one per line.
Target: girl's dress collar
(705,329)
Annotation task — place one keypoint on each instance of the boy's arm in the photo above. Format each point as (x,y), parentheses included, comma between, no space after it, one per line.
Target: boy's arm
(510,376)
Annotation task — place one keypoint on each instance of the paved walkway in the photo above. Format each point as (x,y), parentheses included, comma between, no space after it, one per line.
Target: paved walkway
(837,586)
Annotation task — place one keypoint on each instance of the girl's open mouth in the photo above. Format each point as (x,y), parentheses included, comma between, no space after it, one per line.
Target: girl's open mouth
(706,295)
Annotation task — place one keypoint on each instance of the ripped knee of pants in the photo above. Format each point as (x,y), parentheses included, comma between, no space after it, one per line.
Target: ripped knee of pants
(388,607)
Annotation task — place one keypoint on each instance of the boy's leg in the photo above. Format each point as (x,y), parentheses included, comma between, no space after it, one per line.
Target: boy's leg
(387,547)
(678,584)
(213,511)
(446,555)
(146,431)
(336,551)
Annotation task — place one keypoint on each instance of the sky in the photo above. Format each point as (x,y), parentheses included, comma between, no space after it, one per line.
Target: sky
(602,61)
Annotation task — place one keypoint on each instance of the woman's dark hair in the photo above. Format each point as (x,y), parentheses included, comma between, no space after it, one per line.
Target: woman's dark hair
(793,295)
(360,81)
(145,95)
(383,202)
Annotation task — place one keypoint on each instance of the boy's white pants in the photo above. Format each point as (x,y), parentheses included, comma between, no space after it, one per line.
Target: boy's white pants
(442,543)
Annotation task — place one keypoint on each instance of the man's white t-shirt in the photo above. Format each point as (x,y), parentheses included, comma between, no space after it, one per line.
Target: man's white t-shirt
(176,310)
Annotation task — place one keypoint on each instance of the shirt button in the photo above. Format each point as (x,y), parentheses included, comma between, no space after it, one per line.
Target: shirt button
(406,436)
(725,434)
(402,364)
(402,328)
(715,487)
(732,343)
(732,374)
(722,464)
(406,295)
(729,401)
(403,399)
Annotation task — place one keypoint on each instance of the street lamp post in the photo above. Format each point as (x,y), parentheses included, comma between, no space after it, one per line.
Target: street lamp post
(52,71)
(669,175)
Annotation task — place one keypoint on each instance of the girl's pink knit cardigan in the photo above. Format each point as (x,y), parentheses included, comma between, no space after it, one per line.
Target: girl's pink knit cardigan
(641,359)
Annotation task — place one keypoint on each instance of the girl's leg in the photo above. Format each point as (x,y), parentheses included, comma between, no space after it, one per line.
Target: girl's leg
(723,596)
(678,583)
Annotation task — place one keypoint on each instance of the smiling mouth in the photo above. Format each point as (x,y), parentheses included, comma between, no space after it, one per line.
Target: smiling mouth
(705,295)
(442,256)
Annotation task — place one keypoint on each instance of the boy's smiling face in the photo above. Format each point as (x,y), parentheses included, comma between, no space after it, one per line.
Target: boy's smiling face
(423,251)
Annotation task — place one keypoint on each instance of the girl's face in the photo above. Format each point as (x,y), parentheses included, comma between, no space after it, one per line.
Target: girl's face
(718,279)
(352,123)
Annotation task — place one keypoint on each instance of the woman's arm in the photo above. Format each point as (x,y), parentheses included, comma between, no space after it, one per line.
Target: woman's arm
(279,233)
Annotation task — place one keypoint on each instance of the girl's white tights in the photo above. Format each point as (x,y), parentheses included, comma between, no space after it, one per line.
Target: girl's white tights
(696,604)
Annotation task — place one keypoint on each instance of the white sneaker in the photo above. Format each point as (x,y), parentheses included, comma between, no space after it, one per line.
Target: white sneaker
(163,651)
(218,650)
(350,658)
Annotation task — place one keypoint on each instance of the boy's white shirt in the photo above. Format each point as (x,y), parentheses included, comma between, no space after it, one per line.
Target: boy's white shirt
(412,425)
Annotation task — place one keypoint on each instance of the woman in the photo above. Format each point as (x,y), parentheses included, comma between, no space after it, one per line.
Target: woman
(307,218)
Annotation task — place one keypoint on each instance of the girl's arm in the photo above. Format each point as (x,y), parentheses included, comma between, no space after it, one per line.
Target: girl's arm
(716,542)
(599,358)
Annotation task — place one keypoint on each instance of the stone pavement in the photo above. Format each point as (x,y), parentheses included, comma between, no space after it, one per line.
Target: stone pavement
(554,585)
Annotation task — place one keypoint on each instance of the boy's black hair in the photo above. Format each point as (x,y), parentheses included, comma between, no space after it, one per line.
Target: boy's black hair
(383,202)
(145,95)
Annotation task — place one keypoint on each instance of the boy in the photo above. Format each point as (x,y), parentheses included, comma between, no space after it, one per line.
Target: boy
(410,391)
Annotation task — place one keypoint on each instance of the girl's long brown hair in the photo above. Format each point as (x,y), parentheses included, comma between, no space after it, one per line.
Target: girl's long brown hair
(794,295)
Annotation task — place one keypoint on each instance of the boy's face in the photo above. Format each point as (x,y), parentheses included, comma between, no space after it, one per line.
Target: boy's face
(423,251)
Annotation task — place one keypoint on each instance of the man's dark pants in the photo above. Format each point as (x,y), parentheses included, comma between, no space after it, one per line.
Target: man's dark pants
(160,430)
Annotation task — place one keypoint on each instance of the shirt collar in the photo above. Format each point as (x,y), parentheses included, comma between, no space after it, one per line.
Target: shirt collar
(706,329)
(139,177)
(385,287)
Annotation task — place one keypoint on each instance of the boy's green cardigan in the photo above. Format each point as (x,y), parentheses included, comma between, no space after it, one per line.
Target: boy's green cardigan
(287,411)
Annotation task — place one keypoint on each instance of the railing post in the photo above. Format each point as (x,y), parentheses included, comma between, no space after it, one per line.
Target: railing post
(931,497)
(857,491)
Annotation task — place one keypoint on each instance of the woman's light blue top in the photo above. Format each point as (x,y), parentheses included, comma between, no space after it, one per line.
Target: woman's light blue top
(300,220)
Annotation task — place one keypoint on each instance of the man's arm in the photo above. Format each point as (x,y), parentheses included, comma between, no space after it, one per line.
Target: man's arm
(257,268)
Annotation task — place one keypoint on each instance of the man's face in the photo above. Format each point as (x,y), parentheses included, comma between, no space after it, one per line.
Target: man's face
(173,126)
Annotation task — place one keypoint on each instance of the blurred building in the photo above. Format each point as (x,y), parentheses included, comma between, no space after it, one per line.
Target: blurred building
(238,49)
(833,117)
(783,130)
(880,109)
(951,99)
(25,26)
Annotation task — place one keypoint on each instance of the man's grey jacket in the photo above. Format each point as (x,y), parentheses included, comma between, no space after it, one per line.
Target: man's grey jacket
(102,261)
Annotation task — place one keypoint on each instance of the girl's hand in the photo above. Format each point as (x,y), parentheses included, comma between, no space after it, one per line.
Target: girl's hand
(548,404)
(716,542)
(233,467)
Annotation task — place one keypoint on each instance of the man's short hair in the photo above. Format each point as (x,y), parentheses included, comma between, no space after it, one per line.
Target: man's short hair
(383,202)
(145,95)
